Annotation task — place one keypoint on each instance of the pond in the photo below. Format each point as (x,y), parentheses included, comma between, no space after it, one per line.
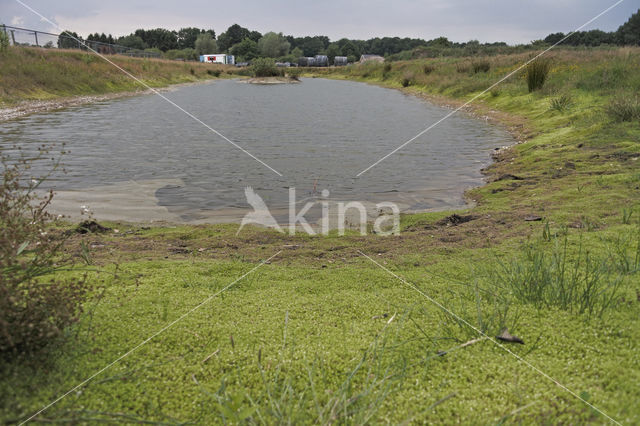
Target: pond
(141,159)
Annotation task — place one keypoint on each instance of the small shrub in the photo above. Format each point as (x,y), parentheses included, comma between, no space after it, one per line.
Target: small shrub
(537,73)
(386,71)
(215,73)
(4,41)
(481,66)
(264,67)
(294,73)
(407,79)
(428,69)
(192,71)
(495,93)
(35,305)
(624,108)
(463,67)
(560,103)
(89,58)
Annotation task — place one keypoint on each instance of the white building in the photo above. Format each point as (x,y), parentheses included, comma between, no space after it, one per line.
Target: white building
(218,58)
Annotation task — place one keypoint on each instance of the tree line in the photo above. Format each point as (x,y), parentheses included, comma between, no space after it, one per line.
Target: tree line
(188,43)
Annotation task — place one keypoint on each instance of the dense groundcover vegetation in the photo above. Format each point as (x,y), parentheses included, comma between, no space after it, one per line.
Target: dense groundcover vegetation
(321,334)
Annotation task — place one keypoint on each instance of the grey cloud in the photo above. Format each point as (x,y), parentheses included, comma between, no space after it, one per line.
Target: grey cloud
(513,21)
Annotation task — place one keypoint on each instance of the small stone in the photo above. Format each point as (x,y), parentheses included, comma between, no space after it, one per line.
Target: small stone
(505,336)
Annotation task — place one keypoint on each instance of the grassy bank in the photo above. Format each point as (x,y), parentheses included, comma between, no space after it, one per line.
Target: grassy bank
(45,74)
(323,335)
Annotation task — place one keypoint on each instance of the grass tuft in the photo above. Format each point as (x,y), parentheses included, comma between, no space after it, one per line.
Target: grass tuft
(560,103)
(624,108)
(537,73)
(575,282)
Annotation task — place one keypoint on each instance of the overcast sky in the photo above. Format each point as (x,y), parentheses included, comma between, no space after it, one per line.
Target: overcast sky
(513,21)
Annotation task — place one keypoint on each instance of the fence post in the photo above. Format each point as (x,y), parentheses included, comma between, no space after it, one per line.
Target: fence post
(13,37)
(35,33)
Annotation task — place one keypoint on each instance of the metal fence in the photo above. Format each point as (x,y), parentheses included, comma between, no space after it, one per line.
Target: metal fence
(27,37)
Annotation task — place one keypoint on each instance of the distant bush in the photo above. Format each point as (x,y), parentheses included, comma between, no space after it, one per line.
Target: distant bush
(407,79)
(560,103)
(4,41)
(243,71)
(428,69)
(386,71)
(480,66)
(537,73)
(264,67)
(35,305)
(215,73)
(294,73)
(186,54)
(624,108)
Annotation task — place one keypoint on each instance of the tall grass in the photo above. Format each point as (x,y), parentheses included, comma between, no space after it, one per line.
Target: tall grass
(428,69)
(481,66)
(624,108)
(537,73)
(575,282)
(463,67)
(285,396)
(624,252)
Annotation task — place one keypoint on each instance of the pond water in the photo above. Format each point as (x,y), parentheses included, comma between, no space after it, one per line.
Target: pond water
(141,159)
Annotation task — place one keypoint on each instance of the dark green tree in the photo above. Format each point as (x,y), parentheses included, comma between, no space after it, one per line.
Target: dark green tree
(132,41)
(553,38)
(234,35)
(332,51)
(629,32)
(66,40)
(187,36)
(255,36)
(205,44)
(246,50)
(273,45)
(159,38)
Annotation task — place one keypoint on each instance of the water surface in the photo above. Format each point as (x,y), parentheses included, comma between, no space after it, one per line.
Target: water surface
(142,159)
